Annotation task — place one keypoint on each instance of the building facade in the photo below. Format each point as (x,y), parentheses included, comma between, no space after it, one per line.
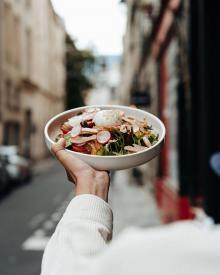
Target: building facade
(174,60)
(140,17)
(32,73)
(162,72)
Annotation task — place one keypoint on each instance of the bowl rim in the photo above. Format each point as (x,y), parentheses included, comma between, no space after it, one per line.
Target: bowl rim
(161,138)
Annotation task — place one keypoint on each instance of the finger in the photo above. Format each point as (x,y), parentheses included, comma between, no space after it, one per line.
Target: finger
(56,147)
(70,162)
(70,178)
(133,106)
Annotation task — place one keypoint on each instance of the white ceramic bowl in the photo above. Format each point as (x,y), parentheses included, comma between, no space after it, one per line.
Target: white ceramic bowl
(52,128)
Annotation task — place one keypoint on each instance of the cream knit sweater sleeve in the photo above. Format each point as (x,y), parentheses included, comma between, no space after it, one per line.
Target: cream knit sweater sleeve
(82,233)
(78,245)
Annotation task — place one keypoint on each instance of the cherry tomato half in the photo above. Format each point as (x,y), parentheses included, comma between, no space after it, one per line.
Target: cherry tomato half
(66,128)
(80,148)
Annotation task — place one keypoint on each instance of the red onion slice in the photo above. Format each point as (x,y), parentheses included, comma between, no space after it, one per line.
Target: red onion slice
(103,136)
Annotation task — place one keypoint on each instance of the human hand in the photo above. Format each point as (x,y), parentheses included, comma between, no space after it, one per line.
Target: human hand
(87,179)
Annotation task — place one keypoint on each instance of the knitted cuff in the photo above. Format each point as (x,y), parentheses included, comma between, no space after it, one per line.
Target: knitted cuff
(89,207)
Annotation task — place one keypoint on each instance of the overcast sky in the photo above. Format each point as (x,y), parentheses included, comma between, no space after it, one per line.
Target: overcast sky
(98,24)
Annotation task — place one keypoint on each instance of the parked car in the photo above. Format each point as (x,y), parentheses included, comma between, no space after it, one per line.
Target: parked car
(4,177)
(13,167)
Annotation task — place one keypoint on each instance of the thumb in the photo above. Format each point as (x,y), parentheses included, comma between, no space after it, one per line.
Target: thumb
(56,147)
(69,161)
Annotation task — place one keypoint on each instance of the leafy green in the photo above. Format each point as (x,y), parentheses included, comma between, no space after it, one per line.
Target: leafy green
(153,137)
(115,148)
(68,140)
(137,137)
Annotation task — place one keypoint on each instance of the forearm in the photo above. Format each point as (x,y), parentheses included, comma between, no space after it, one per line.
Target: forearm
(84,231)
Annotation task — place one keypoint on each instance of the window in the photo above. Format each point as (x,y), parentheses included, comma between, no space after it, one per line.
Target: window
(7,32)
(17,39)
(11,133)
(16,98)
(28,51)
(8,91)
(27,133)
(12,96)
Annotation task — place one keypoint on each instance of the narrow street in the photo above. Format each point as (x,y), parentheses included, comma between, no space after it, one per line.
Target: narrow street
(28,217)
(30,213)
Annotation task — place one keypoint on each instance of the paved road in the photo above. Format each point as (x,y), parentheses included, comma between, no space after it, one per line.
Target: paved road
(28,217)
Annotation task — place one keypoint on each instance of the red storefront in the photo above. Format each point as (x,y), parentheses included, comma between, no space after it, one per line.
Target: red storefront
(172,195)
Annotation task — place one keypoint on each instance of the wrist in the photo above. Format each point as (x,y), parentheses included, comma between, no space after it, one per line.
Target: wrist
(97,186)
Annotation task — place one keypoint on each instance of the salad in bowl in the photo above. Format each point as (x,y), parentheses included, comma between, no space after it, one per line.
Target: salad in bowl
(107,133)
(108,137)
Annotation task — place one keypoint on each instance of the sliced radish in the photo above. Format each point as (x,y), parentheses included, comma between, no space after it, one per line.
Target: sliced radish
(76,120)
(123,129)
(131,149)
(88,116)
(135,128)
(76,130)
(103,137)
(135,148)
(121,113)
(139,147)
(146,141)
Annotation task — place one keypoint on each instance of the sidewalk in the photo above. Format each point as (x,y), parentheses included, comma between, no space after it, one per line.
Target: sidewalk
(132,205)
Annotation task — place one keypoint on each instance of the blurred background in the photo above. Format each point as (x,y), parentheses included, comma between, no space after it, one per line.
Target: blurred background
(160,55)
